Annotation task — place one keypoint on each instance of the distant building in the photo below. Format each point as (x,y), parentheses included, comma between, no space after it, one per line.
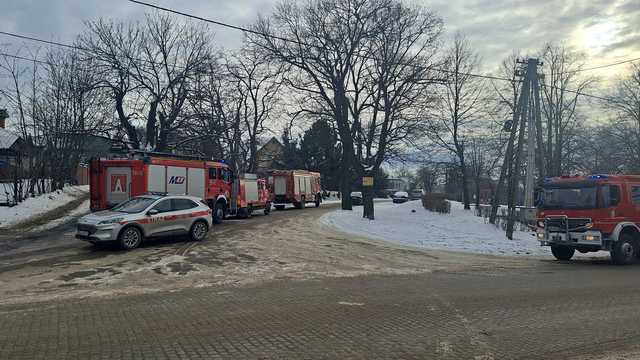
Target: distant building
(12,149)
(270,155)
(397,184)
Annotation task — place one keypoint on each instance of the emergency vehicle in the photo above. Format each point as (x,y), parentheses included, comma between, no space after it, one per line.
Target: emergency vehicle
(296,187)
(121,176)
(590,213)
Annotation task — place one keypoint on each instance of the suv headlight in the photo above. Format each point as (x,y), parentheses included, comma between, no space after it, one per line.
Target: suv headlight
(110,221)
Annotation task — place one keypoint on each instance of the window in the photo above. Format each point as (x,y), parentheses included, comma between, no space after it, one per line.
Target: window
(226,175)
(183,204)
(213,174)
(635,194)
(163,206)
(134,205)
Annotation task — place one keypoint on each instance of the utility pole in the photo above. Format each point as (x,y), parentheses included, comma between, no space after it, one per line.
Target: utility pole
(532,126)
(528,117)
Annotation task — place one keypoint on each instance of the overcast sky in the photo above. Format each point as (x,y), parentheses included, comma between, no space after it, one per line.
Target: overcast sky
(606,30)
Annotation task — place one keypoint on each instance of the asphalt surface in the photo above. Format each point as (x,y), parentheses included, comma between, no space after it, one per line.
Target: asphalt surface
(504,309)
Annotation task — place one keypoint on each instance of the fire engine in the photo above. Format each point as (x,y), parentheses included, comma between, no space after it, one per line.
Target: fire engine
(296,187)
(117,178)
(590,213)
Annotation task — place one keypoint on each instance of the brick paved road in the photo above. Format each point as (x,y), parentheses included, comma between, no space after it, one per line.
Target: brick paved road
(554,310)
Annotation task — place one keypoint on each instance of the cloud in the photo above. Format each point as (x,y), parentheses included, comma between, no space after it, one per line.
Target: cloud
(495,27)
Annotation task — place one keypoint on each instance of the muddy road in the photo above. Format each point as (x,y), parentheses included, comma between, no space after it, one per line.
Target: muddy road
(288,244)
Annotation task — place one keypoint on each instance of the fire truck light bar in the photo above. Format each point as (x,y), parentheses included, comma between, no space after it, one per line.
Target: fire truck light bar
(598,177)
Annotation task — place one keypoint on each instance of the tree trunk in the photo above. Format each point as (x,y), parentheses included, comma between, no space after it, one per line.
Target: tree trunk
(465,187)
(345,184)
(151,124)
(478,192)
(124,121)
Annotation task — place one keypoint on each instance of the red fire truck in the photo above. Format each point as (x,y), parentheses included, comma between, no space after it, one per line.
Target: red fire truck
(591,213)
(296,187)
(121,176)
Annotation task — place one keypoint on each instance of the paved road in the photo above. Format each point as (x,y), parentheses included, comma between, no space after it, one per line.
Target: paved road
(542,309)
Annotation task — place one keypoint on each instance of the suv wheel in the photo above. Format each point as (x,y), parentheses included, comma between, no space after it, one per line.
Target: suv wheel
(562,252)
(624,250)
(130,238)
(198,230)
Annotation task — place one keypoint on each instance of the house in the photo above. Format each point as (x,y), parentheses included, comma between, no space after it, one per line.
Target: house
(270,156)
(12,148)
(397,184)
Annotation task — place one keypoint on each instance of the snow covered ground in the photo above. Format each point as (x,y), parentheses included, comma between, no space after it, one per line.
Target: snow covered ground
(458,231)
(39,205)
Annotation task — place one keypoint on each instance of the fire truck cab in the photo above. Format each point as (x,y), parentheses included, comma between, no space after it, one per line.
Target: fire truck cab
(590,213)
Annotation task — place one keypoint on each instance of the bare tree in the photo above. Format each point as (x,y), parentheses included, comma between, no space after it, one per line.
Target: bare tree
(460,106)
(626,105)
(559,106)
(322,40)
(258,82)
(172,53)
(113,48)
(398,78)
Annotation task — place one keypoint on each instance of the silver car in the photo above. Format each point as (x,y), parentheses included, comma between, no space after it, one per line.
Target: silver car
(147,216)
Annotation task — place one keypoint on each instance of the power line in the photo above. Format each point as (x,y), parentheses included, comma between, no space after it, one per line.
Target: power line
(491,77)
(24,58)
(42,41)
(235,27)
(601,66)
(219,23)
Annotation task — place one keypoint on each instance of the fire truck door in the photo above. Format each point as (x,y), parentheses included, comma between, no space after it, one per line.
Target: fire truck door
(118,185)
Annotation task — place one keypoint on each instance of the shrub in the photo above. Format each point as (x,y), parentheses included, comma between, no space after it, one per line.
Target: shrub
(436,202)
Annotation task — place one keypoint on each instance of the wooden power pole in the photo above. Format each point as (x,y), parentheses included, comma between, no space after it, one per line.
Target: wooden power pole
(528,118)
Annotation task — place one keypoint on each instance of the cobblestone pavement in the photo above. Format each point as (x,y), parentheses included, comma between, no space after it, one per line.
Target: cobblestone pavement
(280,287)
(556,311)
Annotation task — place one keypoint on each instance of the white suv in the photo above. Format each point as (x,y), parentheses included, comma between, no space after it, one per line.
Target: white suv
(147,216)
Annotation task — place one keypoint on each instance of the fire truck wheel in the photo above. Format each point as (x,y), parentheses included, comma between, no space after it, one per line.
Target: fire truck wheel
(317,201)
(243,213)
(623,251)
(562,252)
(267,208)
(130,238)
(198,230)
(279,207)
(218,213)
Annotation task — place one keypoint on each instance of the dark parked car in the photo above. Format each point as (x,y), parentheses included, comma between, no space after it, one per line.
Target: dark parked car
(415,195)
(400,197)
(356,198)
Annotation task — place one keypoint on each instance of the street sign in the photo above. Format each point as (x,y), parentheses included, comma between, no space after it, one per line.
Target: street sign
(367,181)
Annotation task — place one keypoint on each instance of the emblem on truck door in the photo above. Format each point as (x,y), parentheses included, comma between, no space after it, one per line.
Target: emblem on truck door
(118,183)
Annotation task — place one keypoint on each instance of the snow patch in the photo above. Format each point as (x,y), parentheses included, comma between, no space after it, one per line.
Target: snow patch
(82,209)
(35,206)
(410,224)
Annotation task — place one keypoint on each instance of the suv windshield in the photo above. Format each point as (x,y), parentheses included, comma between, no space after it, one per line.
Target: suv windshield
(134,205)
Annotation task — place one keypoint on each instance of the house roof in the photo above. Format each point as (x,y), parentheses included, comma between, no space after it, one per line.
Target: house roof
(7,139)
